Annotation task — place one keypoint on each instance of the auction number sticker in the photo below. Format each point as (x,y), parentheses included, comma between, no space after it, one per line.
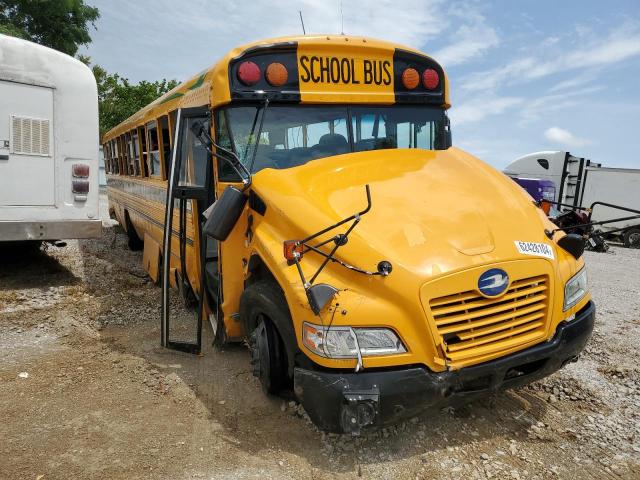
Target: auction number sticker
(535,249)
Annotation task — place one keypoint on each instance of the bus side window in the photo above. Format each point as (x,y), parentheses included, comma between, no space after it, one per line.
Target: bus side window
(109,164)
(134,153)
(144,168)
(105,157)
(226,173)
(116,160)
(165,139)
(194,156)
(153,147)
(118,144)
(114,157)
(126,162)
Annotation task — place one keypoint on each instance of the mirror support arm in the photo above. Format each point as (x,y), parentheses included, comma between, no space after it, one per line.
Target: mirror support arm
(201,133)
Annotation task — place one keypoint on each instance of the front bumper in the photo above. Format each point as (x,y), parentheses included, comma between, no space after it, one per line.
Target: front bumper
(346,402)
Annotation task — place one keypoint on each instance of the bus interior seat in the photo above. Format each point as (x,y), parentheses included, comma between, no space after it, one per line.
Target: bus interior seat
(333,143)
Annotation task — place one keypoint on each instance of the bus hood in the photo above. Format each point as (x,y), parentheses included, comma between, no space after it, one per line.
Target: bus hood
(432,211)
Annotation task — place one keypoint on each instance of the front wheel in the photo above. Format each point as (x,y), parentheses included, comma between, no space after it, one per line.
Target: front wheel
(631,238)
(268,358)
(265,316)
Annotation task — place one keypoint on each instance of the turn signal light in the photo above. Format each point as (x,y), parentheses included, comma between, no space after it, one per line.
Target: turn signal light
(276,74)
(410,78)
(249,73)
(80,170)
(545,206)
(291,249)
(430,79)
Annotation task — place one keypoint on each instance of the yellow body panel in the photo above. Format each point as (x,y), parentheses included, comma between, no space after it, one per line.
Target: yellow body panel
(351,76)
(460,217)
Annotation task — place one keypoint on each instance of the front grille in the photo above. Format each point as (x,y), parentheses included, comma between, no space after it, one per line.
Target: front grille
(473,326)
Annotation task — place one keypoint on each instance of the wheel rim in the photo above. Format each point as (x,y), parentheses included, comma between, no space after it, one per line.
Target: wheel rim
(261,355)
(634,240)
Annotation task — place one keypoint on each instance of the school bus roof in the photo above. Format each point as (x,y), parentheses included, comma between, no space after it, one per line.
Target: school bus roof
(212,85)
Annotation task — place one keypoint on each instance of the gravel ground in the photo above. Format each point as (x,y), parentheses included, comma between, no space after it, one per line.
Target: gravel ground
(86,392)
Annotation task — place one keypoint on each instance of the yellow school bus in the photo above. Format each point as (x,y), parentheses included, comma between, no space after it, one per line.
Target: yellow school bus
(304,193)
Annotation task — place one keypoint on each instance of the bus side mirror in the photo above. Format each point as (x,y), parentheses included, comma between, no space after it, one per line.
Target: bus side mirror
(223,215)
(572,243)
(448,142)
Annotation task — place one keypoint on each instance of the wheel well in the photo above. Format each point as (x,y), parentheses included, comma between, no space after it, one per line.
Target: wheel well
(258,271)
(261,285)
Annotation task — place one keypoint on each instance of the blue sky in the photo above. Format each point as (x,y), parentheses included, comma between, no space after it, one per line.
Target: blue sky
(525,75)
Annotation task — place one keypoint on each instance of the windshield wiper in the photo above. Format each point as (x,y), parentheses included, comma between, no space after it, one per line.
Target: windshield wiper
(255,148)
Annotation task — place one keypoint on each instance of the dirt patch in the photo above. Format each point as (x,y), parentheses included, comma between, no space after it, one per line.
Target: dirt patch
(87,392)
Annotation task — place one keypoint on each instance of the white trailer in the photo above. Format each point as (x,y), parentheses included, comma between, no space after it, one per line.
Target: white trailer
(48,145)
(582,183)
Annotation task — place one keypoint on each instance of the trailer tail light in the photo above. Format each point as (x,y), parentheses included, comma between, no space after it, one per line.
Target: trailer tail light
(292,249)
(430,79)
(80,186)
(80,170)
(249,73)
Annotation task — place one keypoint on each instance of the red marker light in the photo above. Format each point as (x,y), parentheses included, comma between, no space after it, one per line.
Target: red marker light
(430,79)
(276,74)
(80,170)
(249,73)
(410,78)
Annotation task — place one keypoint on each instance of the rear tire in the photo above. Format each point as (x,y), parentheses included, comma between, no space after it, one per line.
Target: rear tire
(135,242)
(631,238)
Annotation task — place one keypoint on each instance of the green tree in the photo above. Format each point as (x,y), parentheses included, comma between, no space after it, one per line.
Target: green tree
(118,98)
(59,24)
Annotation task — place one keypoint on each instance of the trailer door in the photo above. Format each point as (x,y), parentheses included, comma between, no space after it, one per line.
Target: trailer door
(27,162)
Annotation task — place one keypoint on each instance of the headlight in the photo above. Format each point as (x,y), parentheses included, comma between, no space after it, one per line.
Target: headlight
(575,289)
(343,342)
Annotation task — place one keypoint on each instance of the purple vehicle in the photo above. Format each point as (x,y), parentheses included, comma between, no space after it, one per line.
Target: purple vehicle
(537,188)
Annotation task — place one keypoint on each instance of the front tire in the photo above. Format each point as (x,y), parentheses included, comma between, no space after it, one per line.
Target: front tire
(268,358)
(265,314)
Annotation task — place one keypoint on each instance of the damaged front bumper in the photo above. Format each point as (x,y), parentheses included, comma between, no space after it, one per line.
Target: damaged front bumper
(347,402)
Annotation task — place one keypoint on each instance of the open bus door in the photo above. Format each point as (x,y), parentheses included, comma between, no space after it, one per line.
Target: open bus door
(190,191)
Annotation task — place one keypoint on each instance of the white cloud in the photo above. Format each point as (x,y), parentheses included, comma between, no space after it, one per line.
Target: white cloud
(565,138)
(622,44)
(544,105)
(478,108)
(154,39)
(470,42)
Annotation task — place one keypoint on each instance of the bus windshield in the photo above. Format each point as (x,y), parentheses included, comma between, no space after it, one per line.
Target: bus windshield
(294,135)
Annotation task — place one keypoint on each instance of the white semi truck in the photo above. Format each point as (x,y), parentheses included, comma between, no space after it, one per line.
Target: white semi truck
(48,145)
(582,183)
